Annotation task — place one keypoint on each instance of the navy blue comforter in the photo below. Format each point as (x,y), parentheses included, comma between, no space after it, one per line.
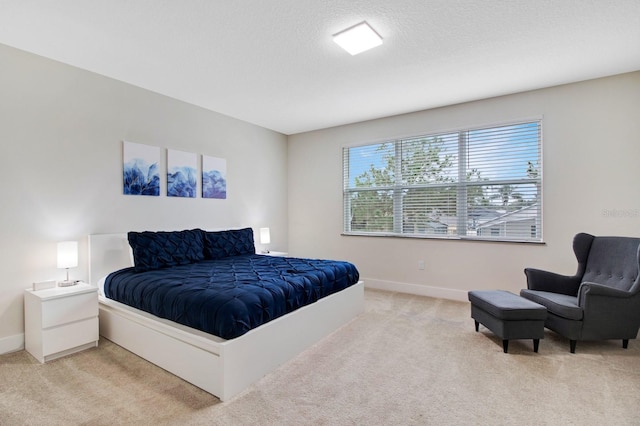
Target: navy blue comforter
(230,296)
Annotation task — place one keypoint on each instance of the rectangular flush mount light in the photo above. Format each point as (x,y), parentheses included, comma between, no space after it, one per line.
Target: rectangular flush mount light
(358,38)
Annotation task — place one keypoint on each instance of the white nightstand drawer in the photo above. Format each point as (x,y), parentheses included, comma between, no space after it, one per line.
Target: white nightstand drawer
(71,335)
(69,309)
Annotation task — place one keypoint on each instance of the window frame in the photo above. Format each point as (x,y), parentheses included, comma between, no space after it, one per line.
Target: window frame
(462,186)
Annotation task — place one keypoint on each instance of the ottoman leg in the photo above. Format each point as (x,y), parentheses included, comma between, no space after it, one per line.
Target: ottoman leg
(477,325)
(505,345)
(536,342)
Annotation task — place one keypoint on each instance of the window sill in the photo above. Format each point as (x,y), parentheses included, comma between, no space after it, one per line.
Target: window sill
(443,238)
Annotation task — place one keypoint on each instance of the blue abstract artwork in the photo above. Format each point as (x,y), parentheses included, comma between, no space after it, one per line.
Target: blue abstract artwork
(140,169)
(181,174)
(214,177)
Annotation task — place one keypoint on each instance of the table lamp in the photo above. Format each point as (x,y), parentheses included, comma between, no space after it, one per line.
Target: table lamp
(265,238)
(67,258)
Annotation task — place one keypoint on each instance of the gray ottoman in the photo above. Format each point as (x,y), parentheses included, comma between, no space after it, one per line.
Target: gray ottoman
(509,316)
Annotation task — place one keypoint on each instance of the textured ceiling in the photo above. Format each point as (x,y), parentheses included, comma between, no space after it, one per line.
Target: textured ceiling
(273,63)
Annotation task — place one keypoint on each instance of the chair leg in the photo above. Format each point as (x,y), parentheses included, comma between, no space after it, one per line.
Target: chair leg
(536,343)
(477,325)
(505,345)
(625,343)
(572,346)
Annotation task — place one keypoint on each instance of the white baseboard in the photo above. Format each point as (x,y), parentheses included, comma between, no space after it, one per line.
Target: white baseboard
(12,344)
(417,289)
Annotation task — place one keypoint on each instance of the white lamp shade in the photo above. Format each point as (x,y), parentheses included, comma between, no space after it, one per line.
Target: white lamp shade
(68,254)
(265,236)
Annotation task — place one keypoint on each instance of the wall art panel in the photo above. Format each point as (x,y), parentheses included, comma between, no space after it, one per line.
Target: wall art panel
(141,170)
(181,174)
(214,177)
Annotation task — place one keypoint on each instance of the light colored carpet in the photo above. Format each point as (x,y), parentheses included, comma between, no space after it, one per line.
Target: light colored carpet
(408,360)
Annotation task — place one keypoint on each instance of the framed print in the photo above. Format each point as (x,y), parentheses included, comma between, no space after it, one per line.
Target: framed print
(141,172)
(214,177)
(181,174)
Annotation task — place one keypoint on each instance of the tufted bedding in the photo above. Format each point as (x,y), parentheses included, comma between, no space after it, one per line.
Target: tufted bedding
(228,296)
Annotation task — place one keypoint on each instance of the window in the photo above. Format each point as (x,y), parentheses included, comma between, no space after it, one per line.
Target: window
(480,183)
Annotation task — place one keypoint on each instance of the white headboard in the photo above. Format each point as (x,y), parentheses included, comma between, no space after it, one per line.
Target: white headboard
(107,253)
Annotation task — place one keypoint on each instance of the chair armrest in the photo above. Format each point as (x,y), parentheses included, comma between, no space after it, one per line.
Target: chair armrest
(540,280)
(607,309)
(588,289)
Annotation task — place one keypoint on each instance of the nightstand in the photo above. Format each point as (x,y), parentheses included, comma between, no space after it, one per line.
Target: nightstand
(276,253)
(60,321)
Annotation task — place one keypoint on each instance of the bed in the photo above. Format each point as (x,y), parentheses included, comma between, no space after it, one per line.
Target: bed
(221,366)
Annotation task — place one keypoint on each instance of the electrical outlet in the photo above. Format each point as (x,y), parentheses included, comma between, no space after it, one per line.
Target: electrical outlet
(421,265)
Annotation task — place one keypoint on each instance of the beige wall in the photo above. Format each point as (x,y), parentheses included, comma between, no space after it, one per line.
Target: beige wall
(61,133)
(591,165)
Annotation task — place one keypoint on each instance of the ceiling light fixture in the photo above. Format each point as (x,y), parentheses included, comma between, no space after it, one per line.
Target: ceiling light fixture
(358,38)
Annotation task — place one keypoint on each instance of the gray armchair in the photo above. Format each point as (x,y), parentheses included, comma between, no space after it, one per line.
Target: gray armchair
(602,300)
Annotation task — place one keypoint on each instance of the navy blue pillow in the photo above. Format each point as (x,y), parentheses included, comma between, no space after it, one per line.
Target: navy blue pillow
(233,242)
(155,250)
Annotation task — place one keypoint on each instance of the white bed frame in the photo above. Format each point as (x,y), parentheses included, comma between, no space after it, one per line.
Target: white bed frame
(221,367)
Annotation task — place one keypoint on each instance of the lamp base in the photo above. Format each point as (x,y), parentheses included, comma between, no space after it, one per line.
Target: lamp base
(66,283)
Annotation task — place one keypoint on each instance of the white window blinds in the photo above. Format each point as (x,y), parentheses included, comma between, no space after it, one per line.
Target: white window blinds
(479,183)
